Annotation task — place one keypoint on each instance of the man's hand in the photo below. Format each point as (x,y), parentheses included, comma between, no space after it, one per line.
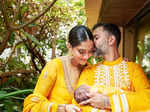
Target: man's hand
(81,93)
(97,100)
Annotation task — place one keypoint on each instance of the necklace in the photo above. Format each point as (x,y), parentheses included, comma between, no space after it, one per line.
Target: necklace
(74,73)
(71,74)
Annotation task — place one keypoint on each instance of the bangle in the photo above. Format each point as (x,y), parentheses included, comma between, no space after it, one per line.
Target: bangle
(61,108)
(107,104)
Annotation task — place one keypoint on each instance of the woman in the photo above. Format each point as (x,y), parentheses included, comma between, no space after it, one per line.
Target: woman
(55,87)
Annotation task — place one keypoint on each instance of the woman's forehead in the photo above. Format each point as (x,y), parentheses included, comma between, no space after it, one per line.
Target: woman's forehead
(88,44)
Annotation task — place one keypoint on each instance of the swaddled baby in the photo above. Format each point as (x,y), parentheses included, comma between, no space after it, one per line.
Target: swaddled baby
(82,92)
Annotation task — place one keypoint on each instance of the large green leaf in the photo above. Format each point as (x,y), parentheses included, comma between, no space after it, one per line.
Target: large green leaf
(2,93)
(16,93)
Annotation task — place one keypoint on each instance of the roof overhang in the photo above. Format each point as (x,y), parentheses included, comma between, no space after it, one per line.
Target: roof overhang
(120,12)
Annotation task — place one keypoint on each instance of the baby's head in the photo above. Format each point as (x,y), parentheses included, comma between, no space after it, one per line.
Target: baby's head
(80,94)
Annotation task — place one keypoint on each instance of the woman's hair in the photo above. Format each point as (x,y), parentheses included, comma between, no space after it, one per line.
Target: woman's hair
(78,34)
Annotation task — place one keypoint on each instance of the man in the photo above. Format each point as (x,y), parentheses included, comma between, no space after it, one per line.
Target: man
(114,85)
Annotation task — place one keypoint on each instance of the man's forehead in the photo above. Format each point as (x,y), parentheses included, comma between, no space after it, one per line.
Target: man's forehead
(98,29)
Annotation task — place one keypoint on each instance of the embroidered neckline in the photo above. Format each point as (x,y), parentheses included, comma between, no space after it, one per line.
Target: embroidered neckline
(111,63)
(119,75)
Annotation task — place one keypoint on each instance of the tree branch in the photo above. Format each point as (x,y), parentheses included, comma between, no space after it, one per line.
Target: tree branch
(13,50)
(8,33)
(35,53)
(34,19)
(53,47)
(8,74)
(32,57)
(5,42)
(4,14)
(42,27)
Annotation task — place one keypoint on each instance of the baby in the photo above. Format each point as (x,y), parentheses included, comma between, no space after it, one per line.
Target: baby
(81,93)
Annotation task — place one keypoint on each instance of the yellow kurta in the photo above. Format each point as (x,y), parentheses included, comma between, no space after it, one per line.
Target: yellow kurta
(50,90)
(125,82)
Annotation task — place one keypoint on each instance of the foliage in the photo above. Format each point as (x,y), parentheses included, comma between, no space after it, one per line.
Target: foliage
(24,50)
(145,52)
(11,101)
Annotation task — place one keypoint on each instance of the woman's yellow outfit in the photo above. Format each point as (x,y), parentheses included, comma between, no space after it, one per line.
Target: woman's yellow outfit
(51,90)
(124,82)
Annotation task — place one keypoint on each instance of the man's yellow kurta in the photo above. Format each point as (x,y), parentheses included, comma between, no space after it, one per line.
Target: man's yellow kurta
(50,90)
(125,82)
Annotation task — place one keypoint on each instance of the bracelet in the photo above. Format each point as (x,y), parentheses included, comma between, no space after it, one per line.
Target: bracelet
(107,104)
(61,108)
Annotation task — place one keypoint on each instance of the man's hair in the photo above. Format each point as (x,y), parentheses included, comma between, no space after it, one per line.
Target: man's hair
(96,26)
(112,29)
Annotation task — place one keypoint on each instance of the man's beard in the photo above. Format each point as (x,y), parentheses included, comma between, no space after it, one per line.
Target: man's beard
(98,52)
(101,49)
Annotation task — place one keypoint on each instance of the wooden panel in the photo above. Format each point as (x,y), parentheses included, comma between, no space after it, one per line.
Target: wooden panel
(130,43)
(121,11)
(121,42)
(93,8)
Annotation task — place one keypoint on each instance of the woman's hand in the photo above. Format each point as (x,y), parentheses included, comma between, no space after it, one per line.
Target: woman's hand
(71,108)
